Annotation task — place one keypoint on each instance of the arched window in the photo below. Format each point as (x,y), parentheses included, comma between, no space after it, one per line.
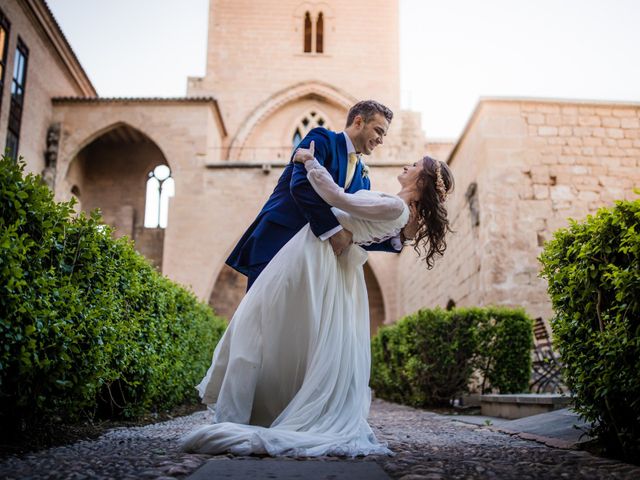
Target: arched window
(297,137)
(160,187)
(319,33)
(307,32)
(308,122)
(75,192)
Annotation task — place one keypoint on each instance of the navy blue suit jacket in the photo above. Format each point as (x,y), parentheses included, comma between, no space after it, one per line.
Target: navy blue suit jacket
(294,203)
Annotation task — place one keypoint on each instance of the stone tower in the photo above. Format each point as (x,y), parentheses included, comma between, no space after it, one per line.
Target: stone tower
(278,68)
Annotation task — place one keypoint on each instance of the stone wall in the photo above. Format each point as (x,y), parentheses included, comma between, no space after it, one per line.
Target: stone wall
(48,75)
(256,50)
(271,139)
(186,133)
(114,181)
(535,163)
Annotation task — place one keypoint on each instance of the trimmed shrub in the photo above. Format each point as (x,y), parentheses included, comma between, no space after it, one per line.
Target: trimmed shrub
(593,270)
(87,326)
(503,355)
(428,358)
(424,359)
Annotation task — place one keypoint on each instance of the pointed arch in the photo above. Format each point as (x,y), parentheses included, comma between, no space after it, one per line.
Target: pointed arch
(228,289)
(105,130)
(111,168)
(318,90)
(307,32)
(377,312)
(306,122)
(320,33)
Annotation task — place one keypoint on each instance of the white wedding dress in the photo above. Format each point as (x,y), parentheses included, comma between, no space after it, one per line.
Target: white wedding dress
(290,374)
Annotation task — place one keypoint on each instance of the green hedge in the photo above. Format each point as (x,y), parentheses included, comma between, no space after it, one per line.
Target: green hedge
(593,270)
(87,326)
(428,358)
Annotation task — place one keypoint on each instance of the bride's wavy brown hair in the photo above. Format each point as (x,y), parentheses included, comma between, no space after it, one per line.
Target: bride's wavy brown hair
(433,223)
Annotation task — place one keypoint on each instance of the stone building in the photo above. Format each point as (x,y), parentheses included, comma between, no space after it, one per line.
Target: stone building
(522,166)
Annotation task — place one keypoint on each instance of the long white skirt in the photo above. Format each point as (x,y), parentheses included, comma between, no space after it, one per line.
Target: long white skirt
(290,374)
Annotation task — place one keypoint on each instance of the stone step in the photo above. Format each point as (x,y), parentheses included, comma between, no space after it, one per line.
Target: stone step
(521,405)
(268,469)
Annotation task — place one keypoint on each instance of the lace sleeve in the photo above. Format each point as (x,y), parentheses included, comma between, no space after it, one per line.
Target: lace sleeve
(367,207)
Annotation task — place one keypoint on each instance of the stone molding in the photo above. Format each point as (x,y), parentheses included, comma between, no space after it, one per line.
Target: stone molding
(321,90)
(42,16)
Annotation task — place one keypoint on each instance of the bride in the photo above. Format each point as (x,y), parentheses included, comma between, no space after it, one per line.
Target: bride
(290,374)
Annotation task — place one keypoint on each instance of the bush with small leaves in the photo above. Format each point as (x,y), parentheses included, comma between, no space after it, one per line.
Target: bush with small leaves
(88,327)
(428,358)
(593,273)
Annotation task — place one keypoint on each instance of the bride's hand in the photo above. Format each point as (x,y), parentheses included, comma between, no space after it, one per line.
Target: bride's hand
(305,154)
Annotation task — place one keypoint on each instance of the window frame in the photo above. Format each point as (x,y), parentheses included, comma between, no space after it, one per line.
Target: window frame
(307,122)
(5,24)
(320,33)
(16,107)
(157,193)
(307,38)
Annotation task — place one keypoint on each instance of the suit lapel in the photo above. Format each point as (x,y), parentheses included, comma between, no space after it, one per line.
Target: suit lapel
(356,182)
(341,157)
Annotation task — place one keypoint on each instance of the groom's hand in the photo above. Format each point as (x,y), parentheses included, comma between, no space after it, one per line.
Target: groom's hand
(340,241)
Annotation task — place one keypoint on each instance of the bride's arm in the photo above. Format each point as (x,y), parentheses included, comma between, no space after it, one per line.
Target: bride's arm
(367,207)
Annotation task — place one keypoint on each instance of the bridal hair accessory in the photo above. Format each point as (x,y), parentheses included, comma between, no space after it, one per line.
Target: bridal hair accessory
(441,190)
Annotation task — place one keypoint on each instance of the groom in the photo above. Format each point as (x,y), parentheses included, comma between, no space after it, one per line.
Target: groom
(294,203)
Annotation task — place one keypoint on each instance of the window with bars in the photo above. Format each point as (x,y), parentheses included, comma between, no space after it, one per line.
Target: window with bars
(4,48)
(160,187)
(308,122)
(17,98)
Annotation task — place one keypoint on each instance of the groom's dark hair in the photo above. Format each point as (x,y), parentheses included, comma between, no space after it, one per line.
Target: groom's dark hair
(367,109)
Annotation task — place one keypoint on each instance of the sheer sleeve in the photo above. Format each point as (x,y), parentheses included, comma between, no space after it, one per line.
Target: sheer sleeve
(367,207)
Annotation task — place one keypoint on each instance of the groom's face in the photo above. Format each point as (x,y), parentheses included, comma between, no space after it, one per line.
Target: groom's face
(370,134)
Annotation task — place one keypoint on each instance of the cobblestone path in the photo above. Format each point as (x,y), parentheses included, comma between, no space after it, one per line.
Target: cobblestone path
(427,446)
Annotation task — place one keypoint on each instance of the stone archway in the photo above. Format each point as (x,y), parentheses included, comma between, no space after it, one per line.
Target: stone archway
(227,292)
(314,92)
(376,300)
(230,287)
(110,173)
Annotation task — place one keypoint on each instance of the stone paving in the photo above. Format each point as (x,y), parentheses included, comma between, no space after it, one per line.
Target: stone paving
(427,446)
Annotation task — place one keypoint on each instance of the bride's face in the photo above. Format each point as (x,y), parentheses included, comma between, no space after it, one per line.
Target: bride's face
(410,174)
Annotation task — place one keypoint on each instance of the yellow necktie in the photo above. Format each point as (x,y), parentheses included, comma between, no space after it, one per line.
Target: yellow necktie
(351,169)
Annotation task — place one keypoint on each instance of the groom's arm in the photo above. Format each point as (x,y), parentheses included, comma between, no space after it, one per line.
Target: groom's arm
(317,212)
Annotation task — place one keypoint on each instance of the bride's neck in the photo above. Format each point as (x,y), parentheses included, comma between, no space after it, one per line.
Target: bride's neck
(407,195)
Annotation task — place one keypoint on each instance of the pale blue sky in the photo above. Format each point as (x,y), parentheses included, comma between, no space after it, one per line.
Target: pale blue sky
(451,52)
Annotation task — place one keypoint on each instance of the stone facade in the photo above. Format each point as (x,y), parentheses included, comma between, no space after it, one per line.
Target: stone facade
(522,166)
(52,70)
(265,82)
(107,148)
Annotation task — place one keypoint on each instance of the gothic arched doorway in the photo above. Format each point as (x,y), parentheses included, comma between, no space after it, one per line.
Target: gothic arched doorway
(227,292)
(111,173)
(376,302)
(230,287)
